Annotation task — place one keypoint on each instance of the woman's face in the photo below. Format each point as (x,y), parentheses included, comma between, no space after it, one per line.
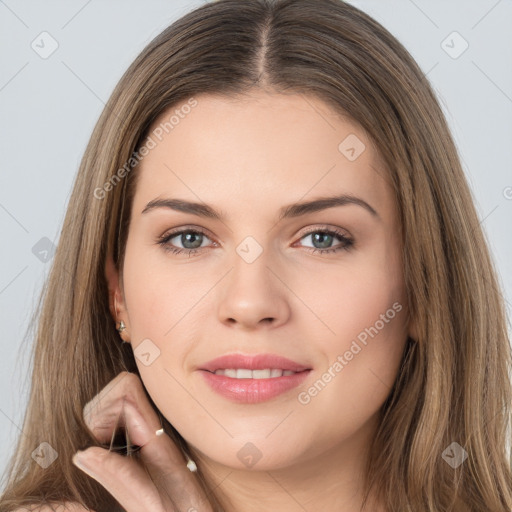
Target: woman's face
(254,280)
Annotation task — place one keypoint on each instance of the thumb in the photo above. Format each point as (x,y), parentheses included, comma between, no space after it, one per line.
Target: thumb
(123,477)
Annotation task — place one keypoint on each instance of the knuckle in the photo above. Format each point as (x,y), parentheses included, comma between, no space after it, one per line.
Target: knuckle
(133,391)
(132,382)
(117,389)
(103,410)
(101,426)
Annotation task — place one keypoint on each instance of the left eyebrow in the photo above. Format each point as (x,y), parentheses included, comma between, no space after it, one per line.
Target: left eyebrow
(290,211)
(298,209)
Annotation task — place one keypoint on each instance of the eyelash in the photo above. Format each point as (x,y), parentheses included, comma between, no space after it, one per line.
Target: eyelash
(345,246)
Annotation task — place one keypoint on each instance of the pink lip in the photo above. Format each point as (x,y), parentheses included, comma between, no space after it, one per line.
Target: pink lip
(253,362)
(253,390)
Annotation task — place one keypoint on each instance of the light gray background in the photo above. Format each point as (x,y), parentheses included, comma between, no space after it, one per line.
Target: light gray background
(48,108)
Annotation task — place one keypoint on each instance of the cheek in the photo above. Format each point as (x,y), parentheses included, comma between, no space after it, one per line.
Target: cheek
(357,377)
(350,297)
(365,312)
(158,296)
(160,310)
(163,320)
(365,347)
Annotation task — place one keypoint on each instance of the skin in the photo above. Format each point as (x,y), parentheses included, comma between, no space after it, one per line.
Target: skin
(248,158)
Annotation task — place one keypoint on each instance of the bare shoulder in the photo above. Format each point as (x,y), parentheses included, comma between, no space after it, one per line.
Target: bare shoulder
(62,507)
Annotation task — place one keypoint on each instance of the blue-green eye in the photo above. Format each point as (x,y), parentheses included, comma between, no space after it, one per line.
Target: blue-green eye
(188,237)
(192,241)
(325,237)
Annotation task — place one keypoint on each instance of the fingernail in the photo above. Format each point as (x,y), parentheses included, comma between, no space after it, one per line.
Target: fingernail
(79,460)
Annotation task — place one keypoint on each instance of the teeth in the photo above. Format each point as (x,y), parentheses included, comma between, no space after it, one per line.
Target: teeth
(244,373)
(261,374)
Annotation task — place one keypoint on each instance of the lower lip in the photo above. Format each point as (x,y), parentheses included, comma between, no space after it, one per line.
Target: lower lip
(253,391)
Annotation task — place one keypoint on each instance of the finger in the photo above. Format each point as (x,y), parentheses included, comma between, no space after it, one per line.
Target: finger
(173,479)
(123,401)
(123,478)
(165,464)
(103,414)
(96,401)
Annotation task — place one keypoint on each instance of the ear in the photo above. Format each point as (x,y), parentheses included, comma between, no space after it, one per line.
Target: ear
(115,292)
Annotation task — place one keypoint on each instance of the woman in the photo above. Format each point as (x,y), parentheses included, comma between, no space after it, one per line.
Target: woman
(272,216)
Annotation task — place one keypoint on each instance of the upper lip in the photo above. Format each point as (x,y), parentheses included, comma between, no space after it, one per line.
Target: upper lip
(253,362)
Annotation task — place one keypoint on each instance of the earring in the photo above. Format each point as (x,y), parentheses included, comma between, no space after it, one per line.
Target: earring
(122,326)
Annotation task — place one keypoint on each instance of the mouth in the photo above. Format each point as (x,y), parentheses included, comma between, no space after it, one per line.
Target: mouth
(253,378)
(264,366)
(246,373)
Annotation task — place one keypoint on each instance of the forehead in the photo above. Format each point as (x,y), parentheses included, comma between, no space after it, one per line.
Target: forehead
(263,149)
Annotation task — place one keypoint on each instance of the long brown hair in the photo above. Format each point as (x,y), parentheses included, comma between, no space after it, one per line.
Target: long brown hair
(453,385)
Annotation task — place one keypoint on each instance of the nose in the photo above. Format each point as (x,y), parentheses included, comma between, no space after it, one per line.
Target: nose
(253,295)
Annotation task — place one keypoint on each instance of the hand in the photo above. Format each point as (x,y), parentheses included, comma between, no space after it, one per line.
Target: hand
(162,482)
